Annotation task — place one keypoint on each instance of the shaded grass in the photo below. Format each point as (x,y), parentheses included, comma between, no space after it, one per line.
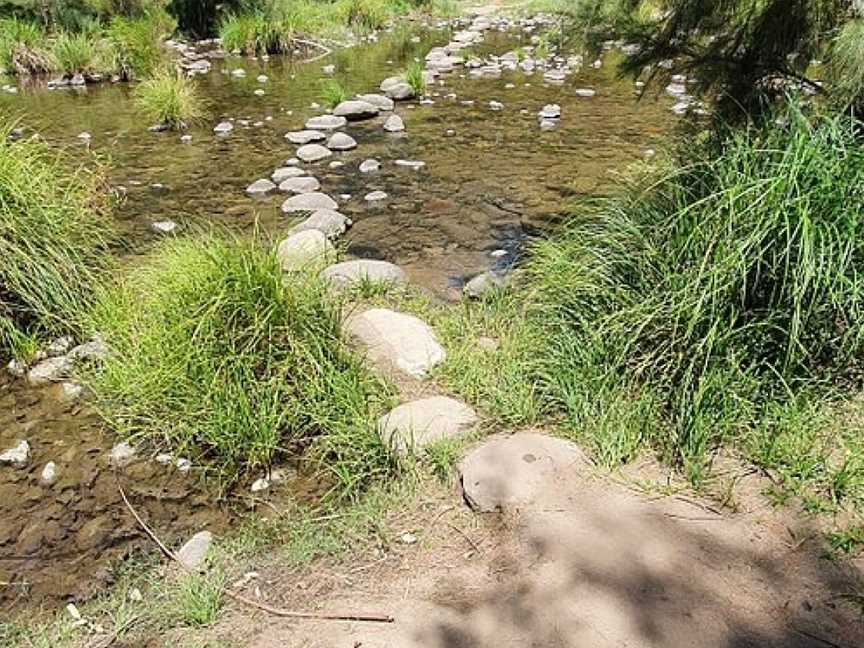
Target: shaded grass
(170,98)
(333,93)
(214,354)
(54,233)
(74,53)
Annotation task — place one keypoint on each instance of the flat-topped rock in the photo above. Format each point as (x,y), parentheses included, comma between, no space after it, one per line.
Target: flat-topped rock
(400,92)
(50,370)
(300,185)
(370,165)
(413,426)
(379,101)
(282,174)
(309,202)
(260,187)
(305,136)
(341,142)
(304,249)
(391,82)
(327,221)
(397,340)
(313,152)
(375,196)
(351,273)
(394,124)
(354,110)
(511,472)
(325,122)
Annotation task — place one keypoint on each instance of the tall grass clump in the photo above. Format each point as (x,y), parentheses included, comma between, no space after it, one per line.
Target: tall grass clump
(415,78)
(365,15)
(74,53)
(215,355)
(23,47)
(170,99)
(255,34)
(54,233)
(135,45)
(682,309)
(333,93)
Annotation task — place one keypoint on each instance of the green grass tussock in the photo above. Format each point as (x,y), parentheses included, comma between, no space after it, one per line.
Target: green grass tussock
(214,355)
(23,47)
(135,44)
(255,34)
(54,233)
(170,98)
(415,77)
(333,93)
(74,53)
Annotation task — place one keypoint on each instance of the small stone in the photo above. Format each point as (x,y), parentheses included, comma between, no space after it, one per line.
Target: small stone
(135,595)
(487,343)
(305,136)
(73,612)
(60,345)
(223,127)
(304,249)
(183,465)
(260,187)
(313,152)
(259,485)
(50,370)
(16,368)
(94,350)
(335,164)
(375,196)
(261,78)
(121,455)
(496,105)
(484,284)
(164,227)
(185,138)
(300,185)
(49,473)
(394,124)
(17,457)
(259,92)
(85,136)
(410,164)
(239,72)
(341,142)
(70,391)
(408,538)
(193,553)
(328,69)
(369,166)
(550,111)
(164,459)
(585,92)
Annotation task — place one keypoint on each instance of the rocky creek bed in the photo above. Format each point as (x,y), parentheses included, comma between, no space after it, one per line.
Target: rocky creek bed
(457,192)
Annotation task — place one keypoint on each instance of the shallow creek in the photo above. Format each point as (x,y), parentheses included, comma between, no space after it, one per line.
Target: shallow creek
(492,179)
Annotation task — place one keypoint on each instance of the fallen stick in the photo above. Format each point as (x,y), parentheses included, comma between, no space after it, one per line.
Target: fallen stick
(372,618)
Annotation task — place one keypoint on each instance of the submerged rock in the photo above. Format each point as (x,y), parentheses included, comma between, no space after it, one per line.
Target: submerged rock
(349,273)
(368,166)
(415,425)
(398,340)
(305,136)
(17,456)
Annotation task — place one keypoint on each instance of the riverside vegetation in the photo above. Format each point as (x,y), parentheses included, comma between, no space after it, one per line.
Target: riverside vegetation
(711,303)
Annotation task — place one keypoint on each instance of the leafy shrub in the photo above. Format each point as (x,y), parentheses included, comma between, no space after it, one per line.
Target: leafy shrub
(214,354)
(170,98)
(53,239)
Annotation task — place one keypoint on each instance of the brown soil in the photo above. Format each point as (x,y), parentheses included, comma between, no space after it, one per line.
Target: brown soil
(594,565)
(61,542)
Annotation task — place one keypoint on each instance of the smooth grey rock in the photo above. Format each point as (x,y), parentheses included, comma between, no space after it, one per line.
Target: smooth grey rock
(260,187)
(415,425)
(341,142)
(396,339)
(193,553)
(484,284)
(391,82)
(325,122)
(300,185)
(164,227)
(375,196)
(260,484)
(304,249)
(309,202)
(50,370)
(349,273)
(16,368)
(121,454)
(394,124)
(305,136)
(354,110)
(509,472)
(331,223)
(282,174)
(313,152)
(379,101)
(550,111)
(48,474)
(223,127)
(368,166)
(410,164)
(585,92)
(18,456)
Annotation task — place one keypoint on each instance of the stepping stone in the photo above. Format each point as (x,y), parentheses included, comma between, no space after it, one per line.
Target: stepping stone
(301,185)
(313,152)
(349,273)
(397,340)
(368,166)
(304,249)
(508,472)
(394,124)
(260,187)
(341,142)
(331,223)
(325,122)
(379,101)
(355,110)
(309,202)
(282,174)
(391,82)
(413,426)
(305,136)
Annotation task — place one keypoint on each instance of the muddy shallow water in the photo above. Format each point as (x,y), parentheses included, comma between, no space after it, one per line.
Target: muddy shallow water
(487,186)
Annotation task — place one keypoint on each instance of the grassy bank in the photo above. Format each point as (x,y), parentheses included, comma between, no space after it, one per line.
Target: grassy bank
(214,357)
(54,233)
(715,301)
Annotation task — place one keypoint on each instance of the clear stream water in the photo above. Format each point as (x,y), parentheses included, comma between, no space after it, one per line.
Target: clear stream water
(488,187)
(498,179)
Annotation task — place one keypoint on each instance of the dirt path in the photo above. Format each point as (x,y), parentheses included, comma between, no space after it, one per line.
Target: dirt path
(587,563)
